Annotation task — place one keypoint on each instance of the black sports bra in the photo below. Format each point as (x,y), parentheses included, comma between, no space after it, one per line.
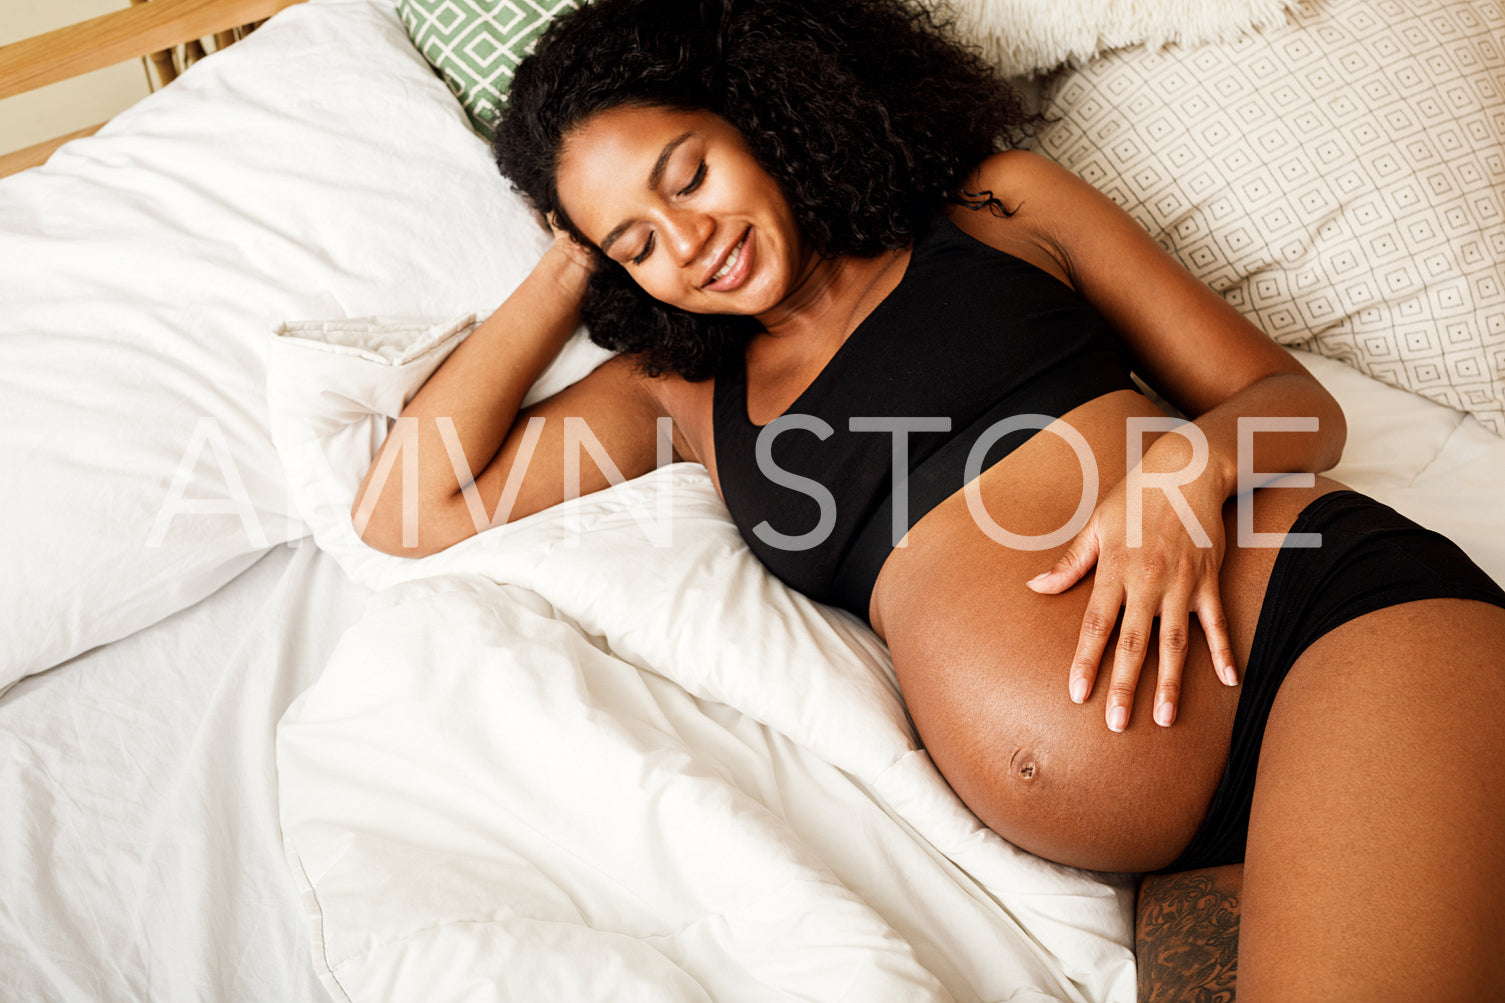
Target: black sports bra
(969,337)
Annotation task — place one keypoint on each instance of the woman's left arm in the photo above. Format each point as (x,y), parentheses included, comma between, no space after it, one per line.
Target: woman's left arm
(1190,345)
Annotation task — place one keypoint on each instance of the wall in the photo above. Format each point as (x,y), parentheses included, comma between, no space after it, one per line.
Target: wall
(72,104)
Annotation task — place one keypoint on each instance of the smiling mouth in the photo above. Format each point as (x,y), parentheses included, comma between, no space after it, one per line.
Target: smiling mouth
(731,260)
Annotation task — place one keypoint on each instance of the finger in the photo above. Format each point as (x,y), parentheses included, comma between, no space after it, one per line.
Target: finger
(1215,625)
(1072,566)
(1097,626)
(1128,659)
(1175,641)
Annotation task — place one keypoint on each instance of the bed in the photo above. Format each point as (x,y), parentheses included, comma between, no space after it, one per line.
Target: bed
(597,753)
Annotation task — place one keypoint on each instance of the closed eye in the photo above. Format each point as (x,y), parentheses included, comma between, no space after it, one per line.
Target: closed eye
(688,189)
(643,254)
(695,182)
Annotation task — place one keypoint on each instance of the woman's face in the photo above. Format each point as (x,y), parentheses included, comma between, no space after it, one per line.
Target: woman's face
(678,199)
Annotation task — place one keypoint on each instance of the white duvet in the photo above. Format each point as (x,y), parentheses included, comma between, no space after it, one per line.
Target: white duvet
(691,780)
(523,816)
(653,773)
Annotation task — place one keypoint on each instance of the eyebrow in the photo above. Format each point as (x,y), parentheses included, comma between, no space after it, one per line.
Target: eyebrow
(655,178)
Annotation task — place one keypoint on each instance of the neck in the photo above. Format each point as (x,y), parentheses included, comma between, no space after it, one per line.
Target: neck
(831,297)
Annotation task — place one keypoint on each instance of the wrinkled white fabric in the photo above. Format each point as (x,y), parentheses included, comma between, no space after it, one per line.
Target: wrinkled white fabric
(318,168)
(478,791)
(140,853)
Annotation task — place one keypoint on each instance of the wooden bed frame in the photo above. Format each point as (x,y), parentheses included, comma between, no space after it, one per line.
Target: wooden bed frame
(142,30)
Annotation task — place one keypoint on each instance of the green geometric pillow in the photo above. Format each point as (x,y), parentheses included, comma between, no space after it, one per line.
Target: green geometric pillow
(475,45)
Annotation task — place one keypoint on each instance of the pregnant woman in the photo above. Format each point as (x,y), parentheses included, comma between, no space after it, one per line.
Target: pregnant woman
(904,359)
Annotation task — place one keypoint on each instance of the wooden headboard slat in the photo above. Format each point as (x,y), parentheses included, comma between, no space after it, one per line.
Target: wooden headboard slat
(126,34)
(35,156)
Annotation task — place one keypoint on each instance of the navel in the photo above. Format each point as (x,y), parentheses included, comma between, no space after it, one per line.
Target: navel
(1025,767)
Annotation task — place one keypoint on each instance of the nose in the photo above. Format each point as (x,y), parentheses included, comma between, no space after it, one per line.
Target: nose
(685,233)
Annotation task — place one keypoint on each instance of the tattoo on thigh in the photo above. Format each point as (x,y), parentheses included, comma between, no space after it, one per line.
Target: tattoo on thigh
(1186,935)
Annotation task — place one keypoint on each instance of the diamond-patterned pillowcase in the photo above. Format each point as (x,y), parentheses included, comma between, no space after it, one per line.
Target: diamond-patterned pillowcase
(1341,180)
(475,45)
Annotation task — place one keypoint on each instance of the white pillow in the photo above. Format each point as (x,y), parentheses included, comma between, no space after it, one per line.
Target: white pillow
(1025,37)
(1340,180)
(315,169)
(332,387)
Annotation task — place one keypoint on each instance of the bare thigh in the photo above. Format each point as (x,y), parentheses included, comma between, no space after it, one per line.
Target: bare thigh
(1376,858)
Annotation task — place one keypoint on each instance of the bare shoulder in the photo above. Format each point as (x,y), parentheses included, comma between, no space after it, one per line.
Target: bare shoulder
(1027,182)
(1029,187)
(1008,170)
(1046,206)
(1184,338)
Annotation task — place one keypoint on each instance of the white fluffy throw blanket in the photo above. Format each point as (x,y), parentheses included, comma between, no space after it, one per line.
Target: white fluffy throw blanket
(1029,37)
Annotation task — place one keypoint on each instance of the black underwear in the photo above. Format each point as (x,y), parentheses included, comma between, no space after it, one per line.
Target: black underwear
(1371,558)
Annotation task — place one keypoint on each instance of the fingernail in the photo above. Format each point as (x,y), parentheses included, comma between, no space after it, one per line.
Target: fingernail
(1078,690)
(1229,676)
(1038,578)
(1118,718)
(1165,713)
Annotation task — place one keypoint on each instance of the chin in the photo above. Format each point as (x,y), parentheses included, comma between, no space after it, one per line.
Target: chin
(757,297)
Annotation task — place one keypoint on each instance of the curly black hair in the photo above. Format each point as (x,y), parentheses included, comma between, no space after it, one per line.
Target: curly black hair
(869,114)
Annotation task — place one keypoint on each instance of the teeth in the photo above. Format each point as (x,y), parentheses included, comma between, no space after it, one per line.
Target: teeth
(731,260)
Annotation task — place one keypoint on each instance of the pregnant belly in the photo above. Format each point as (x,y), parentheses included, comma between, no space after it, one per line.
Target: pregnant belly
(983,663)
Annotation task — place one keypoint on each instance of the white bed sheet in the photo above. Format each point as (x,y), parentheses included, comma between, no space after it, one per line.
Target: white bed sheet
(140,853)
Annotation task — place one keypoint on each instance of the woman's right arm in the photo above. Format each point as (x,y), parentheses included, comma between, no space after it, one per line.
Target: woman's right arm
(464,432)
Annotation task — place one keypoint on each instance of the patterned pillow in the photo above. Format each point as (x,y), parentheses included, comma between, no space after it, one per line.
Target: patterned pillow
(475,45)
(1341,180)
